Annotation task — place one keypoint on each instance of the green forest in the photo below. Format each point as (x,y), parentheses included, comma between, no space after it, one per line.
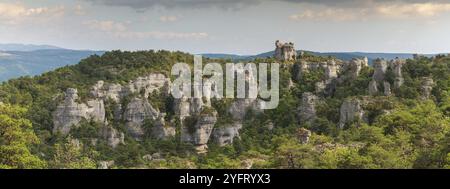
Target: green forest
(401,130)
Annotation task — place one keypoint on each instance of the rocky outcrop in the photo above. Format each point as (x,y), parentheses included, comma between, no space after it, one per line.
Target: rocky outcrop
(136,112)
(351,110)
(148,84)
(387,88)
(373,88)
(198,130)
(381,66)
(70,112)
(303,135)
(307,110)
(141,85)
(162,131)
(112,136)
(239,108)
(105,164)
(396,65)
(225,135)
(285,51)
(354,67)
(427,87)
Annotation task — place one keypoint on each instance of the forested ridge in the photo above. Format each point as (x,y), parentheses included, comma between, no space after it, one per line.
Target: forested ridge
(404,129)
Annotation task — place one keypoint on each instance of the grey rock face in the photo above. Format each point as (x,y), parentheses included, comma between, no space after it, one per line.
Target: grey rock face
(303,135)
(141,85)
(105,164)
(380,66)
(150,83)
(70,113)
(427,87)
(112,136)
(285,51)
(331,70)
(239,108)
(355,66)
(136,112)
(373,88)
(307,109)
(225,135)
(161,131)
(350,110)
(199,133)
(387,88)
(396,66)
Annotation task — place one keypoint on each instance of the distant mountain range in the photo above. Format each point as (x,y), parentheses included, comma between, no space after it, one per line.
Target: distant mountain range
(339,55)
(20,60)
(26,47)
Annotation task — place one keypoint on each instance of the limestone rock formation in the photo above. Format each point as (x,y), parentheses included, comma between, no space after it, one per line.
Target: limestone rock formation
(112,136)
(380,67)
(136,112)
(225,135)
(354,67)
(70,112)
(240,107)
(396,65)
(379,76)
(141,85)
(161,131)
(150,83)
(285,51)
(427,87)
(105,164)
(303,135)
(351,110)
(307,110)
(373,87)
(387,88)
(198,133)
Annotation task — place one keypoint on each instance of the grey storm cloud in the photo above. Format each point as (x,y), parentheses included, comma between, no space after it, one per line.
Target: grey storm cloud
(238,4)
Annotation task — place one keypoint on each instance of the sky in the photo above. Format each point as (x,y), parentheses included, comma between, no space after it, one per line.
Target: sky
(243,27)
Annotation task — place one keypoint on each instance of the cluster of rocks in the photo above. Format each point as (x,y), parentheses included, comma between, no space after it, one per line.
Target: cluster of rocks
(351,110)
(427,87)
(307,110)
(70,113)
(197,117)
(381,67)
(285,51)
(335,72)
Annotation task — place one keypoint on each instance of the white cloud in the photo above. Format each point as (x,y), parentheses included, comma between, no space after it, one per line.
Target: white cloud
(413,10)
(335,14)
(106,26)
(17,13)
(120,30)
(376,10)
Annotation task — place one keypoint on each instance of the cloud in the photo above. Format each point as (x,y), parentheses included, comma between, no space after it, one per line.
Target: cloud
(335,14)
(16,13)
(106,26)
(120,30)
(168,18)
(372,9)
(413,10)
(146,4)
